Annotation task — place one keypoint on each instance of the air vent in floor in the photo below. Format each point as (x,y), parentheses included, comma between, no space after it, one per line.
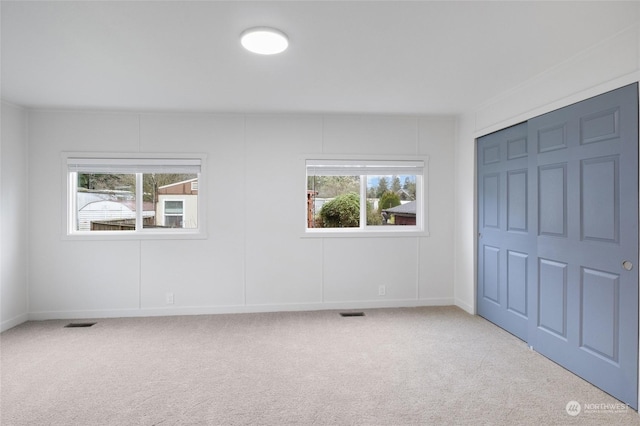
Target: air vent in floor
(79,324)
(351,314)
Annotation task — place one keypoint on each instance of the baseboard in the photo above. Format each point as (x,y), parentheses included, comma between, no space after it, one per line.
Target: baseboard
(465,306)
(236,309)
(10,323)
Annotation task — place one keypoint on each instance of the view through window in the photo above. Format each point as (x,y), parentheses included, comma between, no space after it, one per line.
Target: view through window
(363,195)
(131,195)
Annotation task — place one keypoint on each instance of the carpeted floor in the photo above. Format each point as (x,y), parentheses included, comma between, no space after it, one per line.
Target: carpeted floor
(409,366)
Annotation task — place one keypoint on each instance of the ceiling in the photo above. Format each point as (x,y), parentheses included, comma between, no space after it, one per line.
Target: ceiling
(392,57)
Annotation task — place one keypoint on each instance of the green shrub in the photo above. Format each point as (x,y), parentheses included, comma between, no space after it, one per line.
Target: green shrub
(341,212)
(387,200)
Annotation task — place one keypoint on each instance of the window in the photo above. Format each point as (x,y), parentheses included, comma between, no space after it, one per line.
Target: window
(174,213)
(356,195)
(140,196)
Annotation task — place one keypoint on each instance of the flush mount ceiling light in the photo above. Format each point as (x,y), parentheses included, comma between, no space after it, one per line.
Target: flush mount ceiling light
(264,40)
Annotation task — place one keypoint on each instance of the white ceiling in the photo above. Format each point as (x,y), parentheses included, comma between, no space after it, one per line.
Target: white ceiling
(353,57)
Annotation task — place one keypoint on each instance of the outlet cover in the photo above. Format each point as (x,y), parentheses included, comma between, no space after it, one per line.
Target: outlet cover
(169,297)
(382,290)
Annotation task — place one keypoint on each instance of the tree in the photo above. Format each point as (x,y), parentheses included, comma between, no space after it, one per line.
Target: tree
(395,184)
(407,181)
(332,186)
(387,200)
(410,188)
(341,212)
(97,181)
(382,187)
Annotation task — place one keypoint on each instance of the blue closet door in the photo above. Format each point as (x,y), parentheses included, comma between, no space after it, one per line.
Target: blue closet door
(558,237)
(585,315)
(505,238)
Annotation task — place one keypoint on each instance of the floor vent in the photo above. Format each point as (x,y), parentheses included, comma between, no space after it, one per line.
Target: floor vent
(351,314)
(79,324)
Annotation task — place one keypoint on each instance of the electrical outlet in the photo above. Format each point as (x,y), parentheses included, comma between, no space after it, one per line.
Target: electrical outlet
(382,290)
(169,297)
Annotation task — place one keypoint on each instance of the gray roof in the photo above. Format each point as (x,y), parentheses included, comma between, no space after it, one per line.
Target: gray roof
(406,208)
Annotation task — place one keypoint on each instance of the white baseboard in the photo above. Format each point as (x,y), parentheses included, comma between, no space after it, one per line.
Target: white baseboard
(465,306)
(10,323)
(236,309)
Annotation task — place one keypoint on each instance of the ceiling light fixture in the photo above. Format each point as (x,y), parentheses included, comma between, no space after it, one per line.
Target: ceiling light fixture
(264,40)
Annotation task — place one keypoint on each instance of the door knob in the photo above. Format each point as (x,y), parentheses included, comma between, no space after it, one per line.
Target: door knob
(627,265)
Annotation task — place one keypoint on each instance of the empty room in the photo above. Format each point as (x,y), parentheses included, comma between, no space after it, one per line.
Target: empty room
(319,212)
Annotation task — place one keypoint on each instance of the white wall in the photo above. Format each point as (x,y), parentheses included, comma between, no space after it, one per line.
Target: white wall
(255,257)
(13,217)
(610,64)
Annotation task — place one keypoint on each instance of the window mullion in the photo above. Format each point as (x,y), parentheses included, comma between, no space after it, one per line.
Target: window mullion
(363,201)
(420,206)
(139,202)
(73,201)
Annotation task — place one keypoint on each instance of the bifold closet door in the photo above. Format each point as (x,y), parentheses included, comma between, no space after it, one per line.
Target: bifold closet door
(567,266)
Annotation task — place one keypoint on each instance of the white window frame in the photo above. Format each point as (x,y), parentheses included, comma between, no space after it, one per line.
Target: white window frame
(363,167)
(138,164)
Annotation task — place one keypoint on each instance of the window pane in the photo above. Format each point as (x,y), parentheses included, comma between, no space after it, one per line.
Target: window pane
(173,207)
(172,200)
(333,201)
(173,221)
(106,202)
(391,200)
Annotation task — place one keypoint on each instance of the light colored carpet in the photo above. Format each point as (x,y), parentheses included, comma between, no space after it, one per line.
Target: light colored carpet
(410,366)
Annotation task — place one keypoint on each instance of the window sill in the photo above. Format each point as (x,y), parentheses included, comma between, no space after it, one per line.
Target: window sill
(360,233)
(128,235)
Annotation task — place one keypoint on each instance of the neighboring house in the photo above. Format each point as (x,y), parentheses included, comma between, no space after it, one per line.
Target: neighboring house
(177,205)
(99,208)
(404,214)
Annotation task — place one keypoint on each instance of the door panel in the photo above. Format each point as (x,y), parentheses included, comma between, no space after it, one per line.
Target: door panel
(517,277)
(551,138)
(517,200)
(557,217)
(599,307)
(552,297)
(491,290)
(491,200)
(599,199)
(552,200)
